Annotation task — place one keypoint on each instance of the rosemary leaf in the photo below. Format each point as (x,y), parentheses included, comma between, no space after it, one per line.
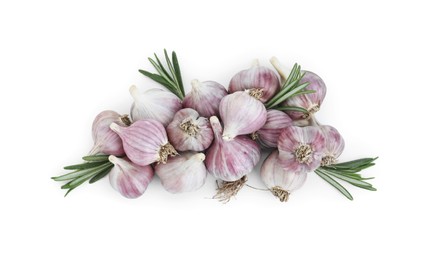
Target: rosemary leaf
(178,72)
(100,175)
(96,158)
(347,179)
(162,68)
(288,108)
(83,166)
(334,183)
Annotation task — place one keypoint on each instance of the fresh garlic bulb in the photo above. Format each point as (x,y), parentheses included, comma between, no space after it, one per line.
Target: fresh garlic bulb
(105,140)
(145,142)
(230,160)
(261,82)
(190,132)
(301,148)
(241,114)
(154,104)
(334,145)
(183,173)
(311,102)
(128,179)
(268,135)
(205,97)
(280,182)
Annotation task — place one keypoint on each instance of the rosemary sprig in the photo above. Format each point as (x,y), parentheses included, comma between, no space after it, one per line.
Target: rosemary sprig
(169,75)
(348,172)
(290,88)
(95,168)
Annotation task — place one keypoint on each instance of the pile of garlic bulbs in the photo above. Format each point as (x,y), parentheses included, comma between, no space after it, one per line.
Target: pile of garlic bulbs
(181,137)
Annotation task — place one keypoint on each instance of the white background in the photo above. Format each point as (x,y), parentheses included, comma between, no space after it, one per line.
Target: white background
(62,63)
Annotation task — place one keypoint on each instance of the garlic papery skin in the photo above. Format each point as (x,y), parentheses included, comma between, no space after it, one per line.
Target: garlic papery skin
(301,148)
(105,140)
(241,114)
(268,135)
(205,97)
(280,182)
(261,82)
(230,160)
(334,145)
(183,173)
(145,142)
(154,104)
(190,132)
(129,179)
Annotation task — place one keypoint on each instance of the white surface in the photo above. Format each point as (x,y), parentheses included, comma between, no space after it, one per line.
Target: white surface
(62,63)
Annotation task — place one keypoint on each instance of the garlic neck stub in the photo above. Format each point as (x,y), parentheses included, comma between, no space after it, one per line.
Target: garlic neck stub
(205,97)
(260,82)
(190,132)
(334,145)
(183,173)
(241,114)
(301,148)
(230,160)
(280,182)
(145,142)
(156,104)
(129,179)
(268,135)
(105,140)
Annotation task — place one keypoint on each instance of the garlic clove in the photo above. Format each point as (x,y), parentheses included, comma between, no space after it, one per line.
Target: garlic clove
(281,182)
(105,140)
(261,82)
(230,160)
(156,104)
(183,173)
(190,132)
(268,135)
(205,97)
(145,142)
(334,145)
(301,148)
(129,179)
(241,114)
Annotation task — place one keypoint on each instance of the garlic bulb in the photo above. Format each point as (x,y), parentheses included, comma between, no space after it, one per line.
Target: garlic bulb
(334,145)
(145,142)
(205,97)
(183,173)
(280,182)
(241,114)
(129,179)
(268,135)
(261,82)
(301,148)
(230,160)
(105,140)
(189,132)
(154,104)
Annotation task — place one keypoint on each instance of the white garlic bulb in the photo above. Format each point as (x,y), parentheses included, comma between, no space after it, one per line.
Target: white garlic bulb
(129,179)
(183,173)
(205,97)
(280,182)
(154,104)
(189,132)
(241,114)
(334,145)
(230,160)
(268,135)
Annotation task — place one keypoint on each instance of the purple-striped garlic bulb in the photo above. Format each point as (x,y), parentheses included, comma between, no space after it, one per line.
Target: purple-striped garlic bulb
(129,179)
(183,173)
(205,97)
(261,82)
(230,160)
(145,142)
(241,114)
(105,140)
(312,101)
(279,181)
(154,103)
(334,145)
(190,132)
(301,148)
(268,135)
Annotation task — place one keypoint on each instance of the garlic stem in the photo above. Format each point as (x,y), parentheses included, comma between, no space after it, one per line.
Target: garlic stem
(279,67)
(115,127)
(255,63)
(195,84)
(133,90)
